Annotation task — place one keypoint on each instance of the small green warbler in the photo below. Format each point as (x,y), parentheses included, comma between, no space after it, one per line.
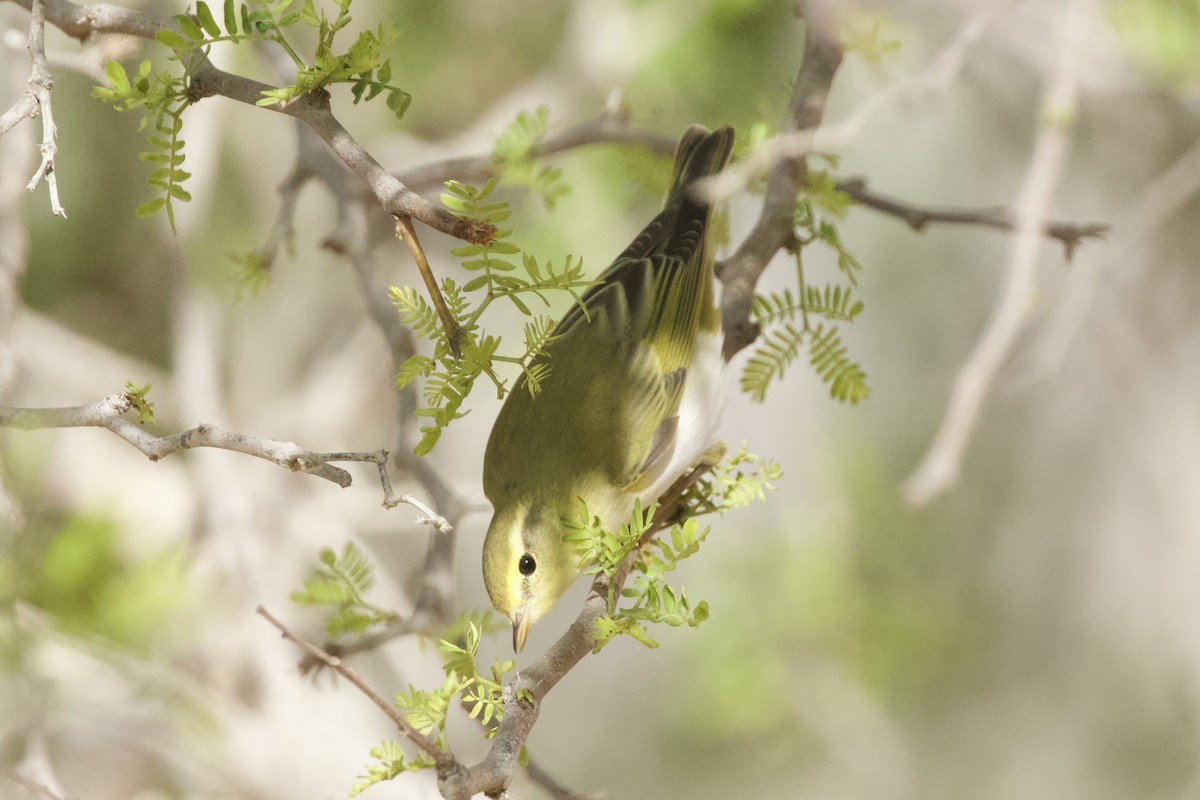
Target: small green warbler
(632,401)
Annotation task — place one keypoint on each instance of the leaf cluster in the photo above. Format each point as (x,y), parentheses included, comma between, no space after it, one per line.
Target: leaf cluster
(339,584)
(481,696)
(164,94)
(163,98)
(390,762)
(496,274)
(513,157)
(734,482)
(737,481)
(137,401)
(786,318)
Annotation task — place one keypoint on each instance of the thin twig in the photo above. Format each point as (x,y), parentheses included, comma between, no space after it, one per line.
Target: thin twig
(283,232)
(41,84)
(405,231)
(939,469)
(917,217)
(333,662)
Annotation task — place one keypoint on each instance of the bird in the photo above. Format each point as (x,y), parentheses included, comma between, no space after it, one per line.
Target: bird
(631,402)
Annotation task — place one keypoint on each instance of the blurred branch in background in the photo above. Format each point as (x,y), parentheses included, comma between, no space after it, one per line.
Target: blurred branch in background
(1070,234)
(795,143)
(939,469)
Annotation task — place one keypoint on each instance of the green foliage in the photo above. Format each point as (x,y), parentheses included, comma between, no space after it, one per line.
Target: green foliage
(163,98)
(362,65)
(253,272)
(785,317)
(163,94)
(866,34)
(1163,36)
(340,584)
(83,578)
(513,157)
(391,762)
(736,481)
(137,400)
(496,275)
(650,600)
(482,697)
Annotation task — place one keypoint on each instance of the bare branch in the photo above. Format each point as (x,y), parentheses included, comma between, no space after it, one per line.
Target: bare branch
(444,760)
(107,414)
(608,128)
(939,469)
(917,217)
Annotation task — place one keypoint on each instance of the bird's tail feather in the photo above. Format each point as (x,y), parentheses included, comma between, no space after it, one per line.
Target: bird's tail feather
(700,154)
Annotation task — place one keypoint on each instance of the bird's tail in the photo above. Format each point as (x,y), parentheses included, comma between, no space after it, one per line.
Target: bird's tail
(700,154)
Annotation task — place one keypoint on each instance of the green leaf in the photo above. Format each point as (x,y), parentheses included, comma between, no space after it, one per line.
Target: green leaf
(117,77)
(171,39)
(399,101)
(150,207)
(231,17)
(189,27)
(205,18)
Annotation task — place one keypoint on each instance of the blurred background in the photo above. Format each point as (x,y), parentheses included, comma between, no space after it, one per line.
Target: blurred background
(1033,633)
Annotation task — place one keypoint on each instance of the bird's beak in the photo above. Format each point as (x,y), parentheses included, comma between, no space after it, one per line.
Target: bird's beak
(520,621)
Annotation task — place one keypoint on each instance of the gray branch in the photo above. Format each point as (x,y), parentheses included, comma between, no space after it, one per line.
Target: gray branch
(108,412)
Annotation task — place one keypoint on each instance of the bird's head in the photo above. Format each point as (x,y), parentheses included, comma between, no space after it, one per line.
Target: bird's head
(526,564)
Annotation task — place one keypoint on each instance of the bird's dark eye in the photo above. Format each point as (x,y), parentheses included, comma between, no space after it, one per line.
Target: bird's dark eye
(527,565)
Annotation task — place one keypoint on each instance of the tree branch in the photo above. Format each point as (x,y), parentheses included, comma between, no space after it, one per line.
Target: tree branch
(940,466)
(107,414)
(607,128)
(773,231)
(1070,234)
